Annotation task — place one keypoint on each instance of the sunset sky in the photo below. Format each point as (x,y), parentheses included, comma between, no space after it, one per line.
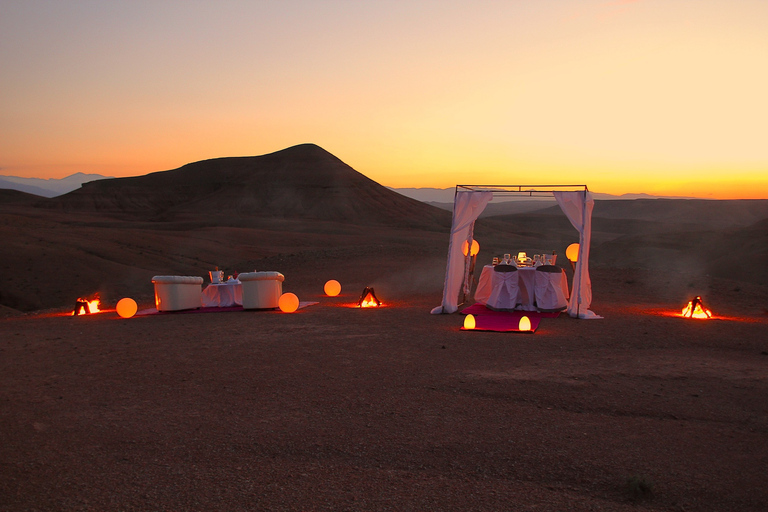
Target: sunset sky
(665,97)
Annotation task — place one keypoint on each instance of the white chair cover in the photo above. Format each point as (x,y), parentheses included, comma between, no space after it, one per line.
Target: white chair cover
(505,293)
(549,292)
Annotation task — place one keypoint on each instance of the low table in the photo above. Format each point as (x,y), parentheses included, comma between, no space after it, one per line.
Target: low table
(223,295)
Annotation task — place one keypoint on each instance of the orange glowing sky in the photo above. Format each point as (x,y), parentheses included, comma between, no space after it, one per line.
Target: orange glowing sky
(665,97)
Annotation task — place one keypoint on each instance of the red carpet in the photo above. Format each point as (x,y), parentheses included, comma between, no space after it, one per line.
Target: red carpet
(503,321)
(480,309)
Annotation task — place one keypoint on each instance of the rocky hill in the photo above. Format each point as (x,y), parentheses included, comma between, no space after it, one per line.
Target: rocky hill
(301,182)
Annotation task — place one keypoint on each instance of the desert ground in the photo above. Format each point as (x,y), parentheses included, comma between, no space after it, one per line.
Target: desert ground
(339,408)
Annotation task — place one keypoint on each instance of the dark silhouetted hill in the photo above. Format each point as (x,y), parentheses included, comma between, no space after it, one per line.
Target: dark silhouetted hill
(301,182)
(8,196)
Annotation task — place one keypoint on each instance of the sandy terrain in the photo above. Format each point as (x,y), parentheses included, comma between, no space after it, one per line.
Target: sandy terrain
(337,408)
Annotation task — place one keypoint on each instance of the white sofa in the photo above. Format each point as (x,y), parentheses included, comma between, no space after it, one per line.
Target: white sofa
(175,293)
(261,290)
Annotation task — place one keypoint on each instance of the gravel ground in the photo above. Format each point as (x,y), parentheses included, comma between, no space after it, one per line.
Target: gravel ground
(337,408)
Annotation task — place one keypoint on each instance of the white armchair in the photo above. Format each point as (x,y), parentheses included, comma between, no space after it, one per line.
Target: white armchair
(261,290)
(175,293)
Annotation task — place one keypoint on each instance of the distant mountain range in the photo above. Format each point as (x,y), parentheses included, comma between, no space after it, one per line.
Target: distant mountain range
(445,195)
(55,187)
(48,187)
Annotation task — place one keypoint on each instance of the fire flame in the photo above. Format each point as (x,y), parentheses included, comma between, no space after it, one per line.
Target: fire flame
(368,302)
(93,305)
(697,310)
(368,299)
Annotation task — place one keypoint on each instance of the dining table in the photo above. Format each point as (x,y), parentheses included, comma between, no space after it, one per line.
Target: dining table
(223,295)
(525,282)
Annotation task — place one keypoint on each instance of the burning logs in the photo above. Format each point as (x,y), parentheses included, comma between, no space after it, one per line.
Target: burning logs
(696,309)
(368,299)
(84,307)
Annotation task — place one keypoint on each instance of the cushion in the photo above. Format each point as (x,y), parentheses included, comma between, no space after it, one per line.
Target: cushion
(261,276)
(177,280)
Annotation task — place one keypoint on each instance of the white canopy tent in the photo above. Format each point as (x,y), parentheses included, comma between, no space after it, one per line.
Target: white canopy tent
(470,201)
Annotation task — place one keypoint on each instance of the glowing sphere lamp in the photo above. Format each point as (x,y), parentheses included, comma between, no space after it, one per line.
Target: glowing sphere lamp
(288,302)
(572,253)
(332,288)
(473,251)
(126,307)
(469,322)
(525,324)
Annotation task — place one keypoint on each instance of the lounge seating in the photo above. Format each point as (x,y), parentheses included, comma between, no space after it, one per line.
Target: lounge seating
(176,293)
(261,290)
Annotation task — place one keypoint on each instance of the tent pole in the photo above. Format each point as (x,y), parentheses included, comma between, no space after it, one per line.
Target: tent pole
(581,250)
(450,245)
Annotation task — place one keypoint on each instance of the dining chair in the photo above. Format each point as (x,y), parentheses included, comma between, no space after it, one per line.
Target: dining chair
(548,289)
(505,288)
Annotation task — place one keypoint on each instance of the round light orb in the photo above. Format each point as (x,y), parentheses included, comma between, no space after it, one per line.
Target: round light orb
(288,302)
(126,307)
(332,288)
(525,324)
(472,252)
(572,252)
(469,322)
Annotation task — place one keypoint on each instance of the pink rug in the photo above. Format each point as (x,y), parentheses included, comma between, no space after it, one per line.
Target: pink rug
(480,309)
(503,321)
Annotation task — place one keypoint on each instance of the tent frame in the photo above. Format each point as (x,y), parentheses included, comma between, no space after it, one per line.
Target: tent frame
(530,190)
(584,214)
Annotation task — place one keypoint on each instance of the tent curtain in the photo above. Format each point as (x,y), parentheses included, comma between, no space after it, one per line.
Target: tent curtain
(578,207)
(467,207)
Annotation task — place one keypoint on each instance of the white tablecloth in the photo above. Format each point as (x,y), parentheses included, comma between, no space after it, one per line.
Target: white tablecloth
(223,295)
(525,281)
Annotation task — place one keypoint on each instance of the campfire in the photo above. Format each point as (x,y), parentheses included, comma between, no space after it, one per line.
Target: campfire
(696,309)
(368,299)
(84,306)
